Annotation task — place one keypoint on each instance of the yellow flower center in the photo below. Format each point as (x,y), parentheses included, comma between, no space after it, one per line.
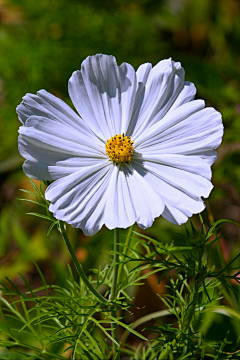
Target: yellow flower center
(119,148)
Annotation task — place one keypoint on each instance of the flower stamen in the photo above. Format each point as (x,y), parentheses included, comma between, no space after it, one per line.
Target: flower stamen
(119,148)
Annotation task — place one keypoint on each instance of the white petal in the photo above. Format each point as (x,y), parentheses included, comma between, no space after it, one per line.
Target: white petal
(42,153)
(46,143)
(125,204)
(187,94)
(53,166)
(174,215)
(128,85)
(142,76)
(200,132)
(164,83)
(143,73)
(63,132)
(119,210)
(97,92)
(191,183)
(209,156)
(168,124)
(56,139)
(145,200)
(40,171)
(173,193)
(79,199)
(192,164)
(49,106)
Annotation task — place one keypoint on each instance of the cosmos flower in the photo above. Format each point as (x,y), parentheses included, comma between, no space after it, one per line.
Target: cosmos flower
(138,147)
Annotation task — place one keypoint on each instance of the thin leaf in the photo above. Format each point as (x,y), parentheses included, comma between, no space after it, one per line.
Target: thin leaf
(13,285)
(222,221)
(52,226)
(36,188)
(27,284)
(29,192)
(104,331)
(128,327)
(42,277)
(40,215)
(34,202)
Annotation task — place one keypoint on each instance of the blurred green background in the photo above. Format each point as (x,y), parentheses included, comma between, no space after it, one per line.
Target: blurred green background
(43,42)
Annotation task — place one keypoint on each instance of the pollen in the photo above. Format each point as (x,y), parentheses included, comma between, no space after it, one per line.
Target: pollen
(119,148)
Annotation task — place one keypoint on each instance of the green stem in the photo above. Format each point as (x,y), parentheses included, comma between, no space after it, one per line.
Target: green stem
(114,292)
(113,295)
(124,252)
(79,266)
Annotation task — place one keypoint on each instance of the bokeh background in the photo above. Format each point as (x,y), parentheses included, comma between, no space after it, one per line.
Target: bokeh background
(42,43)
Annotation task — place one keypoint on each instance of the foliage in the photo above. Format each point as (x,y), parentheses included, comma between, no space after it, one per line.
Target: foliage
(53,320)
(63,319)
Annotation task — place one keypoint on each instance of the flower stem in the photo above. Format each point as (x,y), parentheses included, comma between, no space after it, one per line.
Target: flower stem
(114,292)
(79,266)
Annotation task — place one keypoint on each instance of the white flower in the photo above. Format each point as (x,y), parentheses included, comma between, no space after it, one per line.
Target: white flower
(168,167)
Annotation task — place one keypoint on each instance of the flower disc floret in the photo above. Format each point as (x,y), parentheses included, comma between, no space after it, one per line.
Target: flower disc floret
(119,148)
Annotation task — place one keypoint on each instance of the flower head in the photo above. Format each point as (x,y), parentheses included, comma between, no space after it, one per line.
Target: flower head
(139,147)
